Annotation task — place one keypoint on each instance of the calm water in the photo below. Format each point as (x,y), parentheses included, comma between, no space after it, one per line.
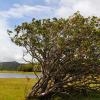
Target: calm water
(14,75)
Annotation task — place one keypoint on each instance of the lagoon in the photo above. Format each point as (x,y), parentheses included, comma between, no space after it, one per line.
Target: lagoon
(16,75)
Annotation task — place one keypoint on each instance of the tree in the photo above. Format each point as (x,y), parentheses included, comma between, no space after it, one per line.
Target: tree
(68,51)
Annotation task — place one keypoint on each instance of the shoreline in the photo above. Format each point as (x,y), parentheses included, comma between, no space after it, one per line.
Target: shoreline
(19,72)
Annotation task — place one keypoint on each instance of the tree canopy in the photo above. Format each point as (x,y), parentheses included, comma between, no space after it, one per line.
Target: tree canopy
(68,51)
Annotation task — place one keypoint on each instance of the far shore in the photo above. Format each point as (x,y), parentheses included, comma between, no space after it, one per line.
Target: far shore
(19,72)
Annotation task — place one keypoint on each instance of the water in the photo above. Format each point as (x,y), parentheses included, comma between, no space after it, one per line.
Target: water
(14,75)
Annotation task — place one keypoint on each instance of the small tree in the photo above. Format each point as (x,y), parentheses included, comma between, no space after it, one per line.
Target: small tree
(68,51)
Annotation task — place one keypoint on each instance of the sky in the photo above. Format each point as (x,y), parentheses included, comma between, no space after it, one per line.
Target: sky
(14,12)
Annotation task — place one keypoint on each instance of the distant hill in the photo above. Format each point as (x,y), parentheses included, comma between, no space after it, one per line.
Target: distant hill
(15,66)
(9,65)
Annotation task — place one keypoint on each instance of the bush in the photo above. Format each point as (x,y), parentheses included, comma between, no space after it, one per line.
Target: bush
(29,67)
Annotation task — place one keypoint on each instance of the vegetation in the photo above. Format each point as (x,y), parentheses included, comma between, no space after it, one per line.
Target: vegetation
(14,66)
(10,66)
(15,89)
(91,96)
(30,67)
(68,51)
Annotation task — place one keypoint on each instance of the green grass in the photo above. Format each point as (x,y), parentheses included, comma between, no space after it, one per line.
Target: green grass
(15,89)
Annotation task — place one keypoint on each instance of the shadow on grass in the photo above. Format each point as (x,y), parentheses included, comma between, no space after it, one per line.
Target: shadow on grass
(63,96)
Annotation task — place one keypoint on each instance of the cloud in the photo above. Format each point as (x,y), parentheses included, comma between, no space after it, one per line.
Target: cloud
(54,8)
(65,8)
(20,11)
(88,7)
(8,50)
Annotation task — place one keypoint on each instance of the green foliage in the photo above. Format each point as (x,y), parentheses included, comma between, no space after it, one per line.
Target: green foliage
(30,67)
(68,51)
(9,68)
(26,68)
(91,96)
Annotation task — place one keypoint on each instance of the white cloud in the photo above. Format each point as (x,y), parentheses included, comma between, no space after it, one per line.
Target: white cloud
(88,7)
(54,8)
(8,51)
(68,7)
(63,12)
(19,11)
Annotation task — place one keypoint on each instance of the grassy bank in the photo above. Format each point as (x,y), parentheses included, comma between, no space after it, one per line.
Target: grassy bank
(15,89)
(19,72)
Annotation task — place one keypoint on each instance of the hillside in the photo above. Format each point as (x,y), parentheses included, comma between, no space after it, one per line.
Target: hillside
(15,66)
(9,65)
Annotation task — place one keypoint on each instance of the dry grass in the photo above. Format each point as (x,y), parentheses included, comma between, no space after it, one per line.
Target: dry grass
(15,89)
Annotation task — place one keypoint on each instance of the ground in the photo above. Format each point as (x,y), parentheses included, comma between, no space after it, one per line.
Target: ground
(18,88)
(15,89)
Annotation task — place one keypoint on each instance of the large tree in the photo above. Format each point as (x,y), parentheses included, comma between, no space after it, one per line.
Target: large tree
(68,51)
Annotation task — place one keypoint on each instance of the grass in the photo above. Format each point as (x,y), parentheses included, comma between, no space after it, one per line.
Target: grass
(19,72)
(15,89)
(18,88)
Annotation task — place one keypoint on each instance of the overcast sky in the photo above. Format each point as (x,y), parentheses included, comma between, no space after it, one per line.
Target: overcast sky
(14,12)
